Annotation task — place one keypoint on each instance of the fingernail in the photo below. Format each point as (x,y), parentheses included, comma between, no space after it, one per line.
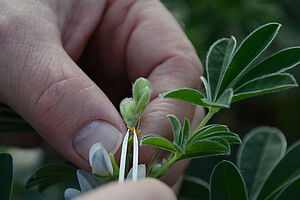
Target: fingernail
(97,131)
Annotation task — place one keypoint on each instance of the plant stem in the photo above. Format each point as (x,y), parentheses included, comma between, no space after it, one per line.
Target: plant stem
(211,112)
(162,171)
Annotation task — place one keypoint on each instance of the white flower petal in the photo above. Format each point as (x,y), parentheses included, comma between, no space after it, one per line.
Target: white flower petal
(135,157)
(123,158)
(141,172)
(100,161)
(71,193)
(86,181)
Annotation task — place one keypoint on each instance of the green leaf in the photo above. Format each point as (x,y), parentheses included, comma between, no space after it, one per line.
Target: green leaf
(223,101)
(176,128)
(207,87)
(205,131)
(228,136)
(158,141)
(217,61)
(226,183)
(205,148)
(247,53)
(286,169)
(264,85)
(280,62)
(291,191)
(6,176)
(186,131)
(262,148)
(186,94)
(193,188)
(49,175)
(225,98)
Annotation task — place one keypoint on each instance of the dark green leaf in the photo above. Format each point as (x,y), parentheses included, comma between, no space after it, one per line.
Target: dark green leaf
(176,128)
(6,176)
(291,191)
(280,62)
(262,148)
(247,53)
(287,169)
(217,61)
(51,174)
(158,141)
(205,148)
(193,188)
(226,183)
(186,94)
(264,85)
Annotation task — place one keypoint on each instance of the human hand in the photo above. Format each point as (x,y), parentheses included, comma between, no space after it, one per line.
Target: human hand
(146,189)
(43,43)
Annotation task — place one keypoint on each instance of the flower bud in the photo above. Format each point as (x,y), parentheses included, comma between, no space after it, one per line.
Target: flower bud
(100,161)
(127,109)
(139,88)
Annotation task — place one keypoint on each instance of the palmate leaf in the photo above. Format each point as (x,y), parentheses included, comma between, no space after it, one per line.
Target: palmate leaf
(263,85)
(49,175)
(247,53)
(260,151)
(6,176)
(282,174)
(226,183)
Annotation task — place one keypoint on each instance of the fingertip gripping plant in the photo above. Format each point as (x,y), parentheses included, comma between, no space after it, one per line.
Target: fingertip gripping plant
(232,74)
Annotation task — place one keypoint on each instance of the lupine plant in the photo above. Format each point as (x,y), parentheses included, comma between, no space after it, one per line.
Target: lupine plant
(232,74)
(264,170)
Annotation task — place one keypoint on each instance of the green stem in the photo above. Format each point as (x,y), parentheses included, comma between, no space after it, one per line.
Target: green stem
(211,112)
(162,171)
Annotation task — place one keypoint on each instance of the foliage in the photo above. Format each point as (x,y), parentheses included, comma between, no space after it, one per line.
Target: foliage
(265,170)
(6,176)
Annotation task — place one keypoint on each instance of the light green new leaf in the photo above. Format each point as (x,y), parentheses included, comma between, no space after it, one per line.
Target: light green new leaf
(193,188)
(225,98)
(207,130)
(262,148)
(247,53)
(291,191)
(158,141)
(176,128)
(226,183)
(264,85)
(207,87)
(281,175)
(205,148)
(186,131)
(280,62)
(217,61)
(186,94)
(6,176)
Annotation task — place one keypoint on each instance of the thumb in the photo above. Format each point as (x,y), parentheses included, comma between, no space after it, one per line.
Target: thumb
(42,84)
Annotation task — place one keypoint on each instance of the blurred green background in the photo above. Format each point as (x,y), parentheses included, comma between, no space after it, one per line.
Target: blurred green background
(205,21)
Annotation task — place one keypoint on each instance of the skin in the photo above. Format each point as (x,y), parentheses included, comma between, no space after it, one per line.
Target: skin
(64,64)
(146,189)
